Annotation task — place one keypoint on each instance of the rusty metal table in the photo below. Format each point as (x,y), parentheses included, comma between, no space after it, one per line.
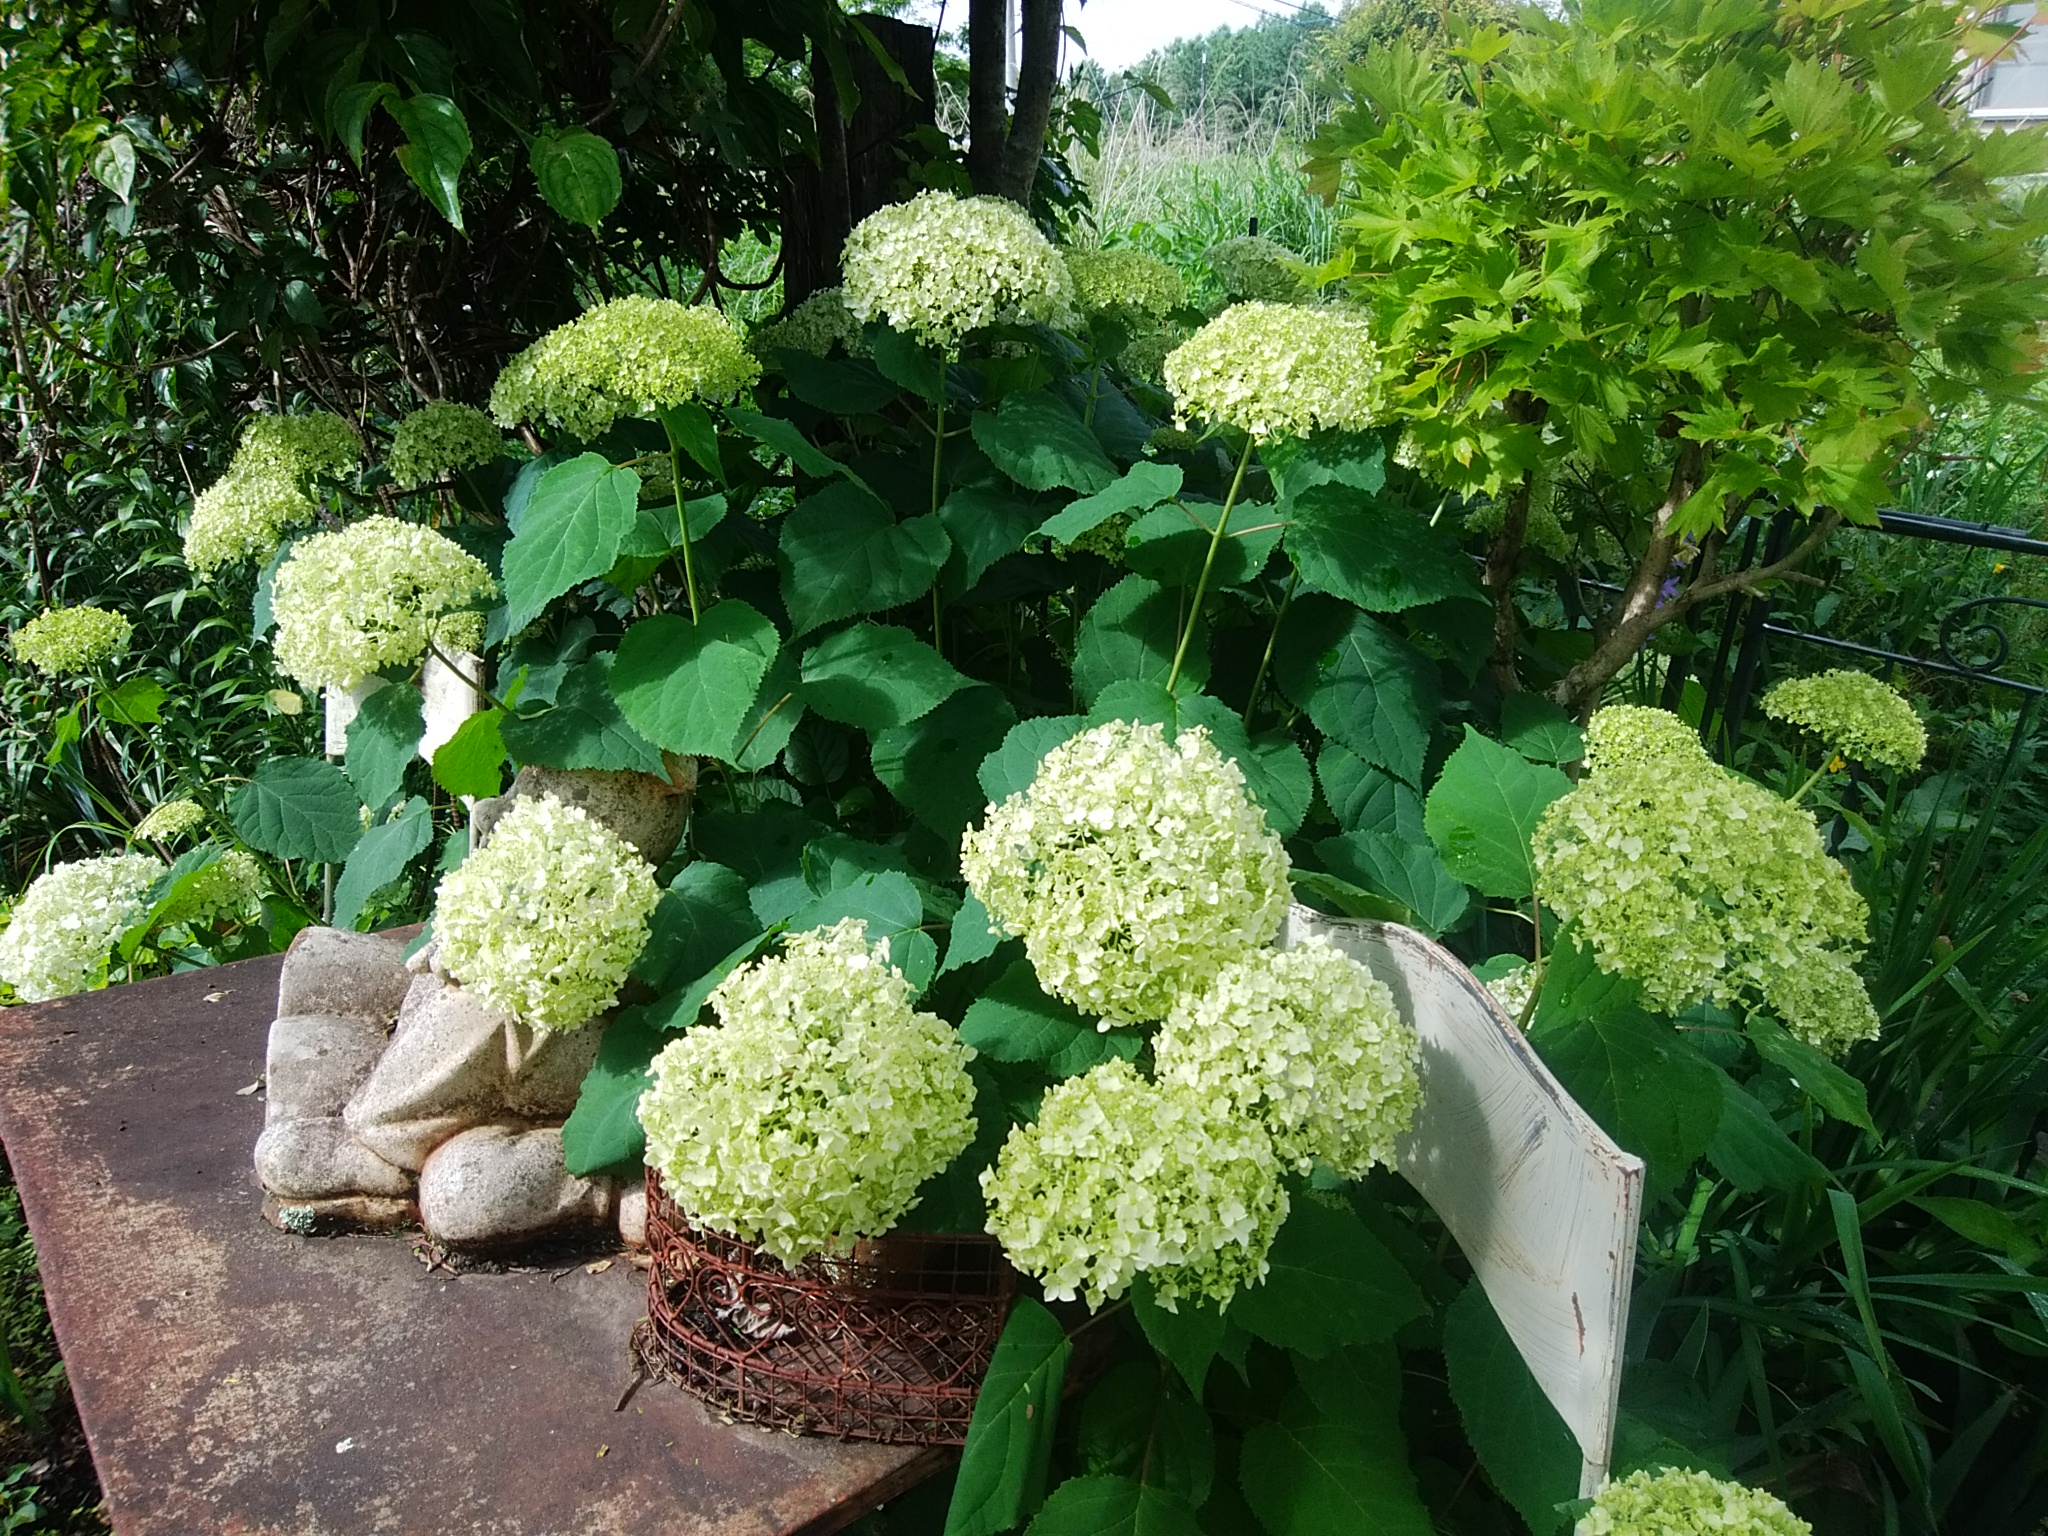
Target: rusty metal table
(234,1380)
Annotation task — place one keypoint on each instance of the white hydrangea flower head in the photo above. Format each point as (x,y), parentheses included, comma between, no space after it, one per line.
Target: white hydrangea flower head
(1255,268)
(545,919)
(941,266)
(372,595)
(1124,283)
(1699,884)
(634,356)
(1120,1177)
(1679,1502)
(1278,370)
(1308,1042)
(1134,869)
(267,488)
(437,440)
(810,1115)
(1854,715)
(1513,988)
(71,642)
(815,326)
(170,821)
(67,923)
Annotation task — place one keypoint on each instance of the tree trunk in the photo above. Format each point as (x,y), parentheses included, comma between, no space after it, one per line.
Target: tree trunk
(1003,149)
(1037,70)
(988,27)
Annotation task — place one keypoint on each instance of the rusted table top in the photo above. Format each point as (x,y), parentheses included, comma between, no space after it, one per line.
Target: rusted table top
(235,1380)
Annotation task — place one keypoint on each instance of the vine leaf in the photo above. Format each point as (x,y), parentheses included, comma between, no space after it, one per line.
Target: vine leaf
(1130,635)
(1142,487)
(929,764)
(1011,767)
(603,1130)
(578,173)
(1304,1475)
(436,147)
(585,729)
(1102,1505)
(1375,553)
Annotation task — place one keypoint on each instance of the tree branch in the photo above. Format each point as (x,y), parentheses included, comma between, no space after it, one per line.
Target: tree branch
(1038,67)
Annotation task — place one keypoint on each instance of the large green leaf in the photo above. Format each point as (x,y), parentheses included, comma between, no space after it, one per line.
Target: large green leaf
(1360,683)
(844,554)
(702,916)
(1525,1447)
(1408,869)
(1038,442)
(133,701)
(1102,1505)
(380,857)
(1540,730)
(1482,813)
(845,388)
(891,907)
(1189,1338)
(1297,465)
(1306,1476)
(383,739)
(1130,635)
(1833,1089)
(578,173)
(471,762)
(1014,1020)
(1009,1440)
(1374,552)
(687,687)
(298,808)
(585,729)
(436,148)
(1170,544)
(1367,799)
(603,1130)
(1011,767)
(929,764)
(1752,1153)
(876,677)
(1139,1423)
(771,720)
(1330,1282)
(908,364)
(785,438)
(570,532)
(984,525)
(974,935)
(1142,487)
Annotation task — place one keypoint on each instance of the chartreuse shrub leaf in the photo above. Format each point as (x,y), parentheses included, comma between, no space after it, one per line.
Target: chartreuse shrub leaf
(1015,1020)
(1330,1283)
(1009,1441)
(1483,811)
(1360,683)
(383,739)
(298,808)
(1038,441)
(1130,635)
(930,763)
(134,701)
(380,858)
(687,687)
(876,677)
(569,533)
(1527,1451)
(471,761)
(1373,552)
(585,729)
(843,554)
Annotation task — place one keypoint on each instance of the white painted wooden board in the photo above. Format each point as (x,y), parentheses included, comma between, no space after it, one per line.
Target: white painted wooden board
(1543,1202)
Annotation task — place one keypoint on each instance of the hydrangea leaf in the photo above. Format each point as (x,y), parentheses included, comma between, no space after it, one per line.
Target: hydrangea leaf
(1358,1386)
(380,858)
(844,554)
(1305,1476)
(984,525)
(1527,1451)
(758,843)
(1138,1424)
(771,720)
(603,1130)
(519,495)
(892,909)
(1102,1505)
(1482,813)
(849,387)
(436,147)
(1408,869)
(972,937)
(701,917)
(1833,1089)
(1298,464)
(1190,1338)
(1361,684)
(1367,799)
(1015,1020)
(1540,730)
(901,360)
(1009,1440)
(929,764)
(1170,543)
(1039,443)
(1010,769)
(1331,1283)
(383,739)
(1130,634)
(578,173)
(1142,487)
(570,531)
(1752,1153)
(585,729)
(1375,553)
(298,808)
(786,439)
(471,762)
(1340,898)
(876,677)
(135,701)
(690,427)
(687,687)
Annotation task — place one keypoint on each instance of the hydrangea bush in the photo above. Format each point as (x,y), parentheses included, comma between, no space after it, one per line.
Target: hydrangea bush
(438,440)
(1677,1502)
(268,488)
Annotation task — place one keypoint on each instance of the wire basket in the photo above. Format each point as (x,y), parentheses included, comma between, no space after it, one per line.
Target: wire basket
(889,1344)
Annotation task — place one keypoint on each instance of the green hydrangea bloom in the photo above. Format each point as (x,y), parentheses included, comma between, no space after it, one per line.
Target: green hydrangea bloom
(71,642)
(1134,868)
(1542,531)
(170,821)
(816,326)
(370,596)
(1278,370)
(1120,1177)
(1308,1042)
(66,925)
(633,356)
(1144,357)
(1699,884)
(1253,267)
(811,1115)
(545,919)
(267,487)
(941,266)
(1678,1502)
(1854,715)
(1125,284)
(228,887)
(438,439)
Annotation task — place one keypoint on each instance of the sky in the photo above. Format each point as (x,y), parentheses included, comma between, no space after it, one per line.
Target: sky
(1121,32)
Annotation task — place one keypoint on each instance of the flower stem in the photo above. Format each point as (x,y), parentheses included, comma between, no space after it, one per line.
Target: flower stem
(1266,661)
(675,458)
(938,458)
(1817,775)
(1208,563)
(461,676)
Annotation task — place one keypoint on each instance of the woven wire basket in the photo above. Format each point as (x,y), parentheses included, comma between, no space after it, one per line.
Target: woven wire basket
(890,1344)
